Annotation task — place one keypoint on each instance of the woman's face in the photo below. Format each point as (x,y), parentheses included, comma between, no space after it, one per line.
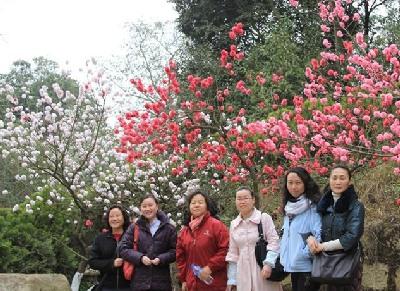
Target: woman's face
(339,180)
(198,205)
(149,208)
(244,202)
(116,219)
(294,185)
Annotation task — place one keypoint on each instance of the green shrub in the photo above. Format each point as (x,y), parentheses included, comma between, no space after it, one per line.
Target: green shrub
(26,248)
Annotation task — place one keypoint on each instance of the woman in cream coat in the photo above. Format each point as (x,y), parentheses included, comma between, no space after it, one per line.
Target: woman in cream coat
(244,274)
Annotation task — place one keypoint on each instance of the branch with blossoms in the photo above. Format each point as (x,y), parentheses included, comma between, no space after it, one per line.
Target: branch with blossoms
(347,114)
(64,146)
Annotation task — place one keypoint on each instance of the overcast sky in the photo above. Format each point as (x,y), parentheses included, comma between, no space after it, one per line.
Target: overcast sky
(70,30)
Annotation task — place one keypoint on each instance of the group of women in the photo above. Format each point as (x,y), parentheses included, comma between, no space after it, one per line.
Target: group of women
(211,257)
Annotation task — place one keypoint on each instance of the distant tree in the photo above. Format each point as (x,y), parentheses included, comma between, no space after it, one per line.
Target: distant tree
(206,21)
(21,87)
(147,49)
(27,79)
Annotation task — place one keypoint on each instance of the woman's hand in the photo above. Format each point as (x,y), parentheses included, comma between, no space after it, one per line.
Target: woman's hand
(312,244)
(146,261)
(184,287)
(266,272)
(319,248)
(205,273)
(155,261)
(231,288)
(118,262)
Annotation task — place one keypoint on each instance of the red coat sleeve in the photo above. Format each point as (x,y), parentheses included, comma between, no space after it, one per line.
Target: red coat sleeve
(221,235)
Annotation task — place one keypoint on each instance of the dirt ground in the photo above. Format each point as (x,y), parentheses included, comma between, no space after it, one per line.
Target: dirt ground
(374,278)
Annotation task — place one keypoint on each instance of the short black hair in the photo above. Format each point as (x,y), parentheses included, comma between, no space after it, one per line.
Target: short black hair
(341,166)
(211,205)
(148,196)
(311,188)
(241,188)
(124,214)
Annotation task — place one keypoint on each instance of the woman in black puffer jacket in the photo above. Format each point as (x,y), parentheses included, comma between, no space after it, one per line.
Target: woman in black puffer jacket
(156,248)
(342,222)
(104,253)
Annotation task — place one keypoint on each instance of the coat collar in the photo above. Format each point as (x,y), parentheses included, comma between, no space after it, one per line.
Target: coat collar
(255,217)
(162,217)
(342,204)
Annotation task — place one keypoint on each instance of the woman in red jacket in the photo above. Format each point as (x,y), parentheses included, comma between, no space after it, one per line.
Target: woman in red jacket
(202,246)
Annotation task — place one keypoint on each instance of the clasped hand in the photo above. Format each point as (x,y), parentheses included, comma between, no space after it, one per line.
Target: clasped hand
(314,246)
(118,262)
(147,261)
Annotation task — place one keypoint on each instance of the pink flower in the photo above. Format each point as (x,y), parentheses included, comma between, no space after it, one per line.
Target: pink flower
(302,130)
(326,43)
(360,39)
(325,28)
(294,3)
(88,223)
(260,80)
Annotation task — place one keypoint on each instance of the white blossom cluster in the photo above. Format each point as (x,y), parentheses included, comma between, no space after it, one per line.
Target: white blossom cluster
(65,141)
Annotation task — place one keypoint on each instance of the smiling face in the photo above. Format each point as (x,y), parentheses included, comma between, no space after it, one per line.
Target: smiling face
(295,185)
(339,180)
(149,208)
(198,205)
(244,202)
(116,219)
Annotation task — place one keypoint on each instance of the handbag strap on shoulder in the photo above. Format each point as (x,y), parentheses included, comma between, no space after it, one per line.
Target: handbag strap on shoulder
(135,236)
(260,229)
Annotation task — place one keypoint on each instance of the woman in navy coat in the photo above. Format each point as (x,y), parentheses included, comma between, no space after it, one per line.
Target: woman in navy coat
(155,248)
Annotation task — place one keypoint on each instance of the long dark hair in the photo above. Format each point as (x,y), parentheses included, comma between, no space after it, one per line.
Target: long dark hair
(125,215)
(311,189)
(211,206)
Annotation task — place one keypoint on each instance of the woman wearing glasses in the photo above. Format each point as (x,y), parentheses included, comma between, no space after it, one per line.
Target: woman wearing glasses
(243,271)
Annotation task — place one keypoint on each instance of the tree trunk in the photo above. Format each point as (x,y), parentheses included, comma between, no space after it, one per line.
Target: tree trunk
(391,279)
(367,15)
(82,266)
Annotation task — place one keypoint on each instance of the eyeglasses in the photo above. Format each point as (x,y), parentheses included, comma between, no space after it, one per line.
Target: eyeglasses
(243,198)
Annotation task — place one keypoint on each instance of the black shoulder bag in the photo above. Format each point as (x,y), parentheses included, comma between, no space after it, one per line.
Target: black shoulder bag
(278,273)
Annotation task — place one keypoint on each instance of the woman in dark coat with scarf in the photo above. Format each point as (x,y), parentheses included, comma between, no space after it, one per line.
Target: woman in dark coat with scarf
(104,254)
(156,246)
(342,221)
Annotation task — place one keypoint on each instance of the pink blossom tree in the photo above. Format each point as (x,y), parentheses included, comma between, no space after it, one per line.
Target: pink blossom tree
(348,112)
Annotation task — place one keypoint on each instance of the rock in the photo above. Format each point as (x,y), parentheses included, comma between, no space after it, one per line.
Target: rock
(33,282)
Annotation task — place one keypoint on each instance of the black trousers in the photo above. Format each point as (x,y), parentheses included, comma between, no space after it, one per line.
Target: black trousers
(303,282)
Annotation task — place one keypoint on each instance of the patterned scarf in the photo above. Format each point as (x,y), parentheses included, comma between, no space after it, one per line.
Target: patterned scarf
(195,222)
(299,206)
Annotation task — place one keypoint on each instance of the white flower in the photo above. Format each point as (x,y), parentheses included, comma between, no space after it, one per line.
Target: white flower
(180,202)
(15,208)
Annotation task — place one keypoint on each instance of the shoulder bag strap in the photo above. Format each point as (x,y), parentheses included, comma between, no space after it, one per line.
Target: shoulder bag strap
(260,230)
(135,237)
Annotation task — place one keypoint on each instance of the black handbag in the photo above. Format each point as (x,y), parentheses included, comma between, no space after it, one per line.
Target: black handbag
(336,267)
(278,273)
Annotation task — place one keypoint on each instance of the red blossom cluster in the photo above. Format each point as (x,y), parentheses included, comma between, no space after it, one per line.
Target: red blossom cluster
(349,112)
